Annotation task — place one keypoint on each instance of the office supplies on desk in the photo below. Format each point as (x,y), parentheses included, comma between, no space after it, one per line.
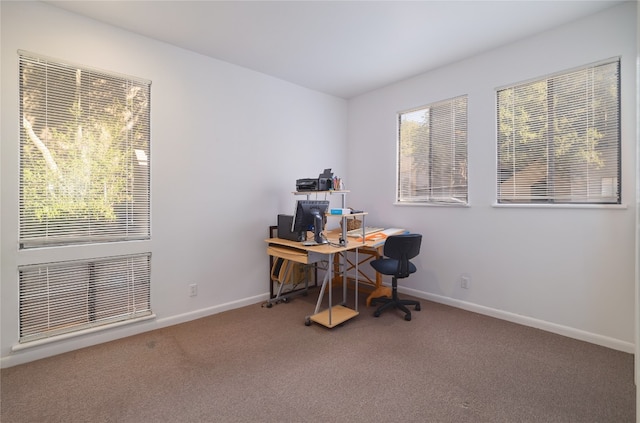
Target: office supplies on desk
(376,239)
(393,231)
(357,233)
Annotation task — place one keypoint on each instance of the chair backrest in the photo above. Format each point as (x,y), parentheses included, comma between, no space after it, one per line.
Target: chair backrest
(402,248)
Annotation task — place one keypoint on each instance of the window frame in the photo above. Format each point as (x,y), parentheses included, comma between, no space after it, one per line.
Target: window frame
(560,200)
(70,297)
(430,197)
(71,294)
(41,120)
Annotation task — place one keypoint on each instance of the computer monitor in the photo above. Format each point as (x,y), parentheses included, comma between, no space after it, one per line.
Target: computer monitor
(310,215)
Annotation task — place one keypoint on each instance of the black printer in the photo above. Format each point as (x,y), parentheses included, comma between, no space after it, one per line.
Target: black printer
(324,182)
(307,185)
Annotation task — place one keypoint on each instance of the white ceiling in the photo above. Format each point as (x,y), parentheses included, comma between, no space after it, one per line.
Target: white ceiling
(343,48)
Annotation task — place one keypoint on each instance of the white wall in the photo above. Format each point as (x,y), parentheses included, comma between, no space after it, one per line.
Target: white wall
(567,270)
(227,146)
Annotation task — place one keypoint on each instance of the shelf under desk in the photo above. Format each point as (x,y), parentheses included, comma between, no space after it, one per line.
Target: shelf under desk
(339,314)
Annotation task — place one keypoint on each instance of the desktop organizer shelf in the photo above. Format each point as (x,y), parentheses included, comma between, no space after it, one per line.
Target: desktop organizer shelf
(321,192)
(344,217)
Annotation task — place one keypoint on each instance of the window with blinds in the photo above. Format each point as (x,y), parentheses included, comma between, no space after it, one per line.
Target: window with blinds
(84,178)
(432,154)
(64,297)
(84,154)
(559,138)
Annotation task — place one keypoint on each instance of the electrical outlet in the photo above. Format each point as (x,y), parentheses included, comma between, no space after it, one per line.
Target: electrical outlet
(464,282)
(193,290)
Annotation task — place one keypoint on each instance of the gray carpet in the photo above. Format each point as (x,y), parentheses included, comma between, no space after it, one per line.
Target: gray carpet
(258,364)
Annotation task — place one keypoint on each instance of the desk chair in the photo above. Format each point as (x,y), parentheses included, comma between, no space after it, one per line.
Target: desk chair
(398,250)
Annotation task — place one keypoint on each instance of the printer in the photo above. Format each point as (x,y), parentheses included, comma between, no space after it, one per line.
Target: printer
(324,182)
(307,185)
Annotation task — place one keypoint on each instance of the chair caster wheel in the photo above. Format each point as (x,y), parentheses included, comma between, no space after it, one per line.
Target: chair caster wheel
(307,322)
(417,307)
(376,314)
(285,300)
(407,317)
(269,305)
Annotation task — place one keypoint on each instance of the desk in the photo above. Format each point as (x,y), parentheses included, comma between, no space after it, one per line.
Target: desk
(295,251)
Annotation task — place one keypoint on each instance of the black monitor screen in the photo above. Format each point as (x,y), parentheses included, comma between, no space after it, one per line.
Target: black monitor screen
(309,215)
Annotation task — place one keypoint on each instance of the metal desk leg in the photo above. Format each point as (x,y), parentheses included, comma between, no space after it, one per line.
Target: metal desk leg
(333,315)
(325,281)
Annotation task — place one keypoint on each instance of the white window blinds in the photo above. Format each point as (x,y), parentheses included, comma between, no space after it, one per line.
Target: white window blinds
(65,297)
(84,154)
(559,138)
(432,153)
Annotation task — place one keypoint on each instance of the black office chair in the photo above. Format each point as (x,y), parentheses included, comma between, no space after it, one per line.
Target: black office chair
(398,250)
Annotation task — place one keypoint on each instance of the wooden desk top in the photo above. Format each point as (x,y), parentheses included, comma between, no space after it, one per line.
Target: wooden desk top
(333,236)
(374,240)
(320,249)
(295,251)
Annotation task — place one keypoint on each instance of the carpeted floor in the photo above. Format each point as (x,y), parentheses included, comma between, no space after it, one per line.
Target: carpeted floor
(258,364)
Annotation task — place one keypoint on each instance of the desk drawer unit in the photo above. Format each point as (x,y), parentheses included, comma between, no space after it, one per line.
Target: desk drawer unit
(299,256)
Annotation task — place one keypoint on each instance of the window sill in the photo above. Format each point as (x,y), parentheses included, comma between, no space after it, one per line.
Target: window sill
(46,341)
(561,206)
(460,205)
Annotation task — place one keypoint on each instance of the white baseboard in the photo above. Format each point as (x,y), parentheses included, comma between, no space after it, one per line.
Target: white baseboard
(57,346)
(581,335)
(208,311)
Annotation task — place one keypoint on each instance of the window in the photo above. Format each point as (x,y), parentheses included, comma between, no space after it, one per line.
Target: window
(559,138)
(432,154)
(84,178)
(64,297)
(84,155)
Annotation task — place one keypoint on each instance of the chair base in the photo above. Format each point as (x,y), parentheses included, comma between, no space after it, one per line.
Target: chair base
(395,302)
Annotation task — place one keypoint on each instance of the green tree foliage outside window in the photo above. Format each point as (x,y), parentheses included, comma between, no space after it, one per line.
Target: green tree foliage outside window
(432,154)
(559,138)
(84,155)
